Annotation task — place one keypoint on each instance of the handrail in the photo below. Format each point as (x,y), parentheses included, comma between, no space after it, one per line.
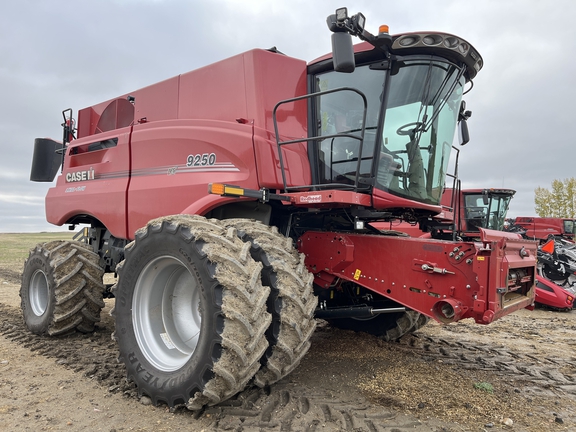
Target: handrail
(360,137)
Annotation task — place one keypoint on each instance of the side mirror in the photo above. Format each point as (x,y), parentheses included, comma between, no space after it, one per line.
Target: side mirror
(463,116)
(343,52)
(342,49)
(485,199)
(463,134)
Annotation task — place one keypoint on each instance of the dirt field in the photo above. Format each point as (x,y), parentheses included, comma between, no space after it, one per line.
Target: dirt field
(518,374)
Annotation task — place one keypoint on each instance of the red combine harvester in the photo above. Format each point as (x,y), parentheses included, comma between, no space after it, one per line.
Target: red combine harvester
(234,202)
(541,228)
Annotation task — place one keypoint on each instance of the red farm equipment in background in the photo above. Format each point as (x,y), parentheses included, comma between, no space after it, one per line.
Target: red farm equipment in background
(553,296)
(464,212)
(541,228)
(556,274)
(236,203)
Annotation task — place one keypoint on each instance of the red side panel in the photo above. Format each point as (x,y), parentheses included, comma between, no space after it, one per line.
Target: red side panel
(173,162)
(155,102)
(93,182)
(384,200)
(295,157)
(245,88)
(86,118)
(271,78)
(188,131)
(214,92)
(274,78)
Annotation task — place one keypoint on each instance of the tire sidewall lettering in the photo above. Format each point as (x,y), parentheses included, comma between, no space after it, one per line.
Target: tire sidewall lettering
(157,383)
(192,267)
(153,380)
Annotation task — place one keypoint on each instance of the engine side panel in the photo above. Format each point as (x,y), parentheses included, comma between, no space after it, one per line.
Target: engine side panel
(173,162)
(188,131)
(94,181)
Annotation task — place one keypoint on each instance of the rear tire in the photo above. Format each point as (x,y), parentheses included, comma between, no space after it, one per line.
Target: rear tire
(292,301)
(62,288)
(421,321)
(190,312)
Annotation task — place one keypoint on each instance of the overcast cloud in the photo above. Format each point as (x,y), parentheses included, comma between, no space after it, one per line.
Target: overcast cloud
(59,54)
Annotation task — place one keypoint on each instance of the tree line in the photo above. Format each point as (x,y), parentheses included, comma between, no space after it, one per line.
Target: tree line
(558,201)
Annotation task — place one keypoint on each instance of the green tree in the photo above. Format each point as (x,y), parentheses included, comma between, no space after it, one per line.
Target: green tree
(559,201)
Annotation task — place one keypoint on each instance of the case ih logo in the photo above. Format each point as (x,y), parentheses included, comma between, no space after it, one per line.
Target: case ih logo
(311,199)
(76,176)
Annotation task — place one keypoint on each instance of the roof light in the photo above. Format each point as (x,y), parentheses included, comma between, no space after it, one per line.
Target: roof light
(409,40)
(341,14)
(383,29)
(432,39)
(359,22)
(451,42)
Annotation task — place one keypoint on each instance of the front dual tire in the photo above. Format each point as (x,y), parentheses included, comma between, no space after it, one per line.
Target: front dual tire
(62,289)
(191,314)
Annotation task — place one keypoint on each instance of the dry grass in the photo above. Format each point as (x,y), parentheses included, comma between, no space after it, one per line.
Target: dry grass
(14,248)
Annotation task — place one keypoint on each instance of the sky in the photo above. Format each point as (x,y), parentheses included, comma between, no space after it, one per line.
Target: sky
(60,54)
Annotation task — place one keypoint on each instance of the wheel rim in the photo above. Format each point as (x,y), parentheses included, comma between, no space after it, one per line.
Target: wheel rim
(38,293)
(166,313)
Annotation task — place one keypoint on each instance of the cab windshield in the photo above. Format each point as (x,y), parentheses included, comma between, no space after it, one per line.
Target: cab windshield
(483,211)
(409,126)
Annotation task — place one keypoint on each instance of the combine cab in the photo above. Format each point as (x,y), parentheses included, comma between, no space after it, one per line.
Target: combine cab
(235,203)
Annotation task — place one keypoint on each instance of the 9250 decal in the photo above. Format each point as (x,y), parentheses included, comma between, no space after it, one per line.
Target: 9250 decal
(204,159)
